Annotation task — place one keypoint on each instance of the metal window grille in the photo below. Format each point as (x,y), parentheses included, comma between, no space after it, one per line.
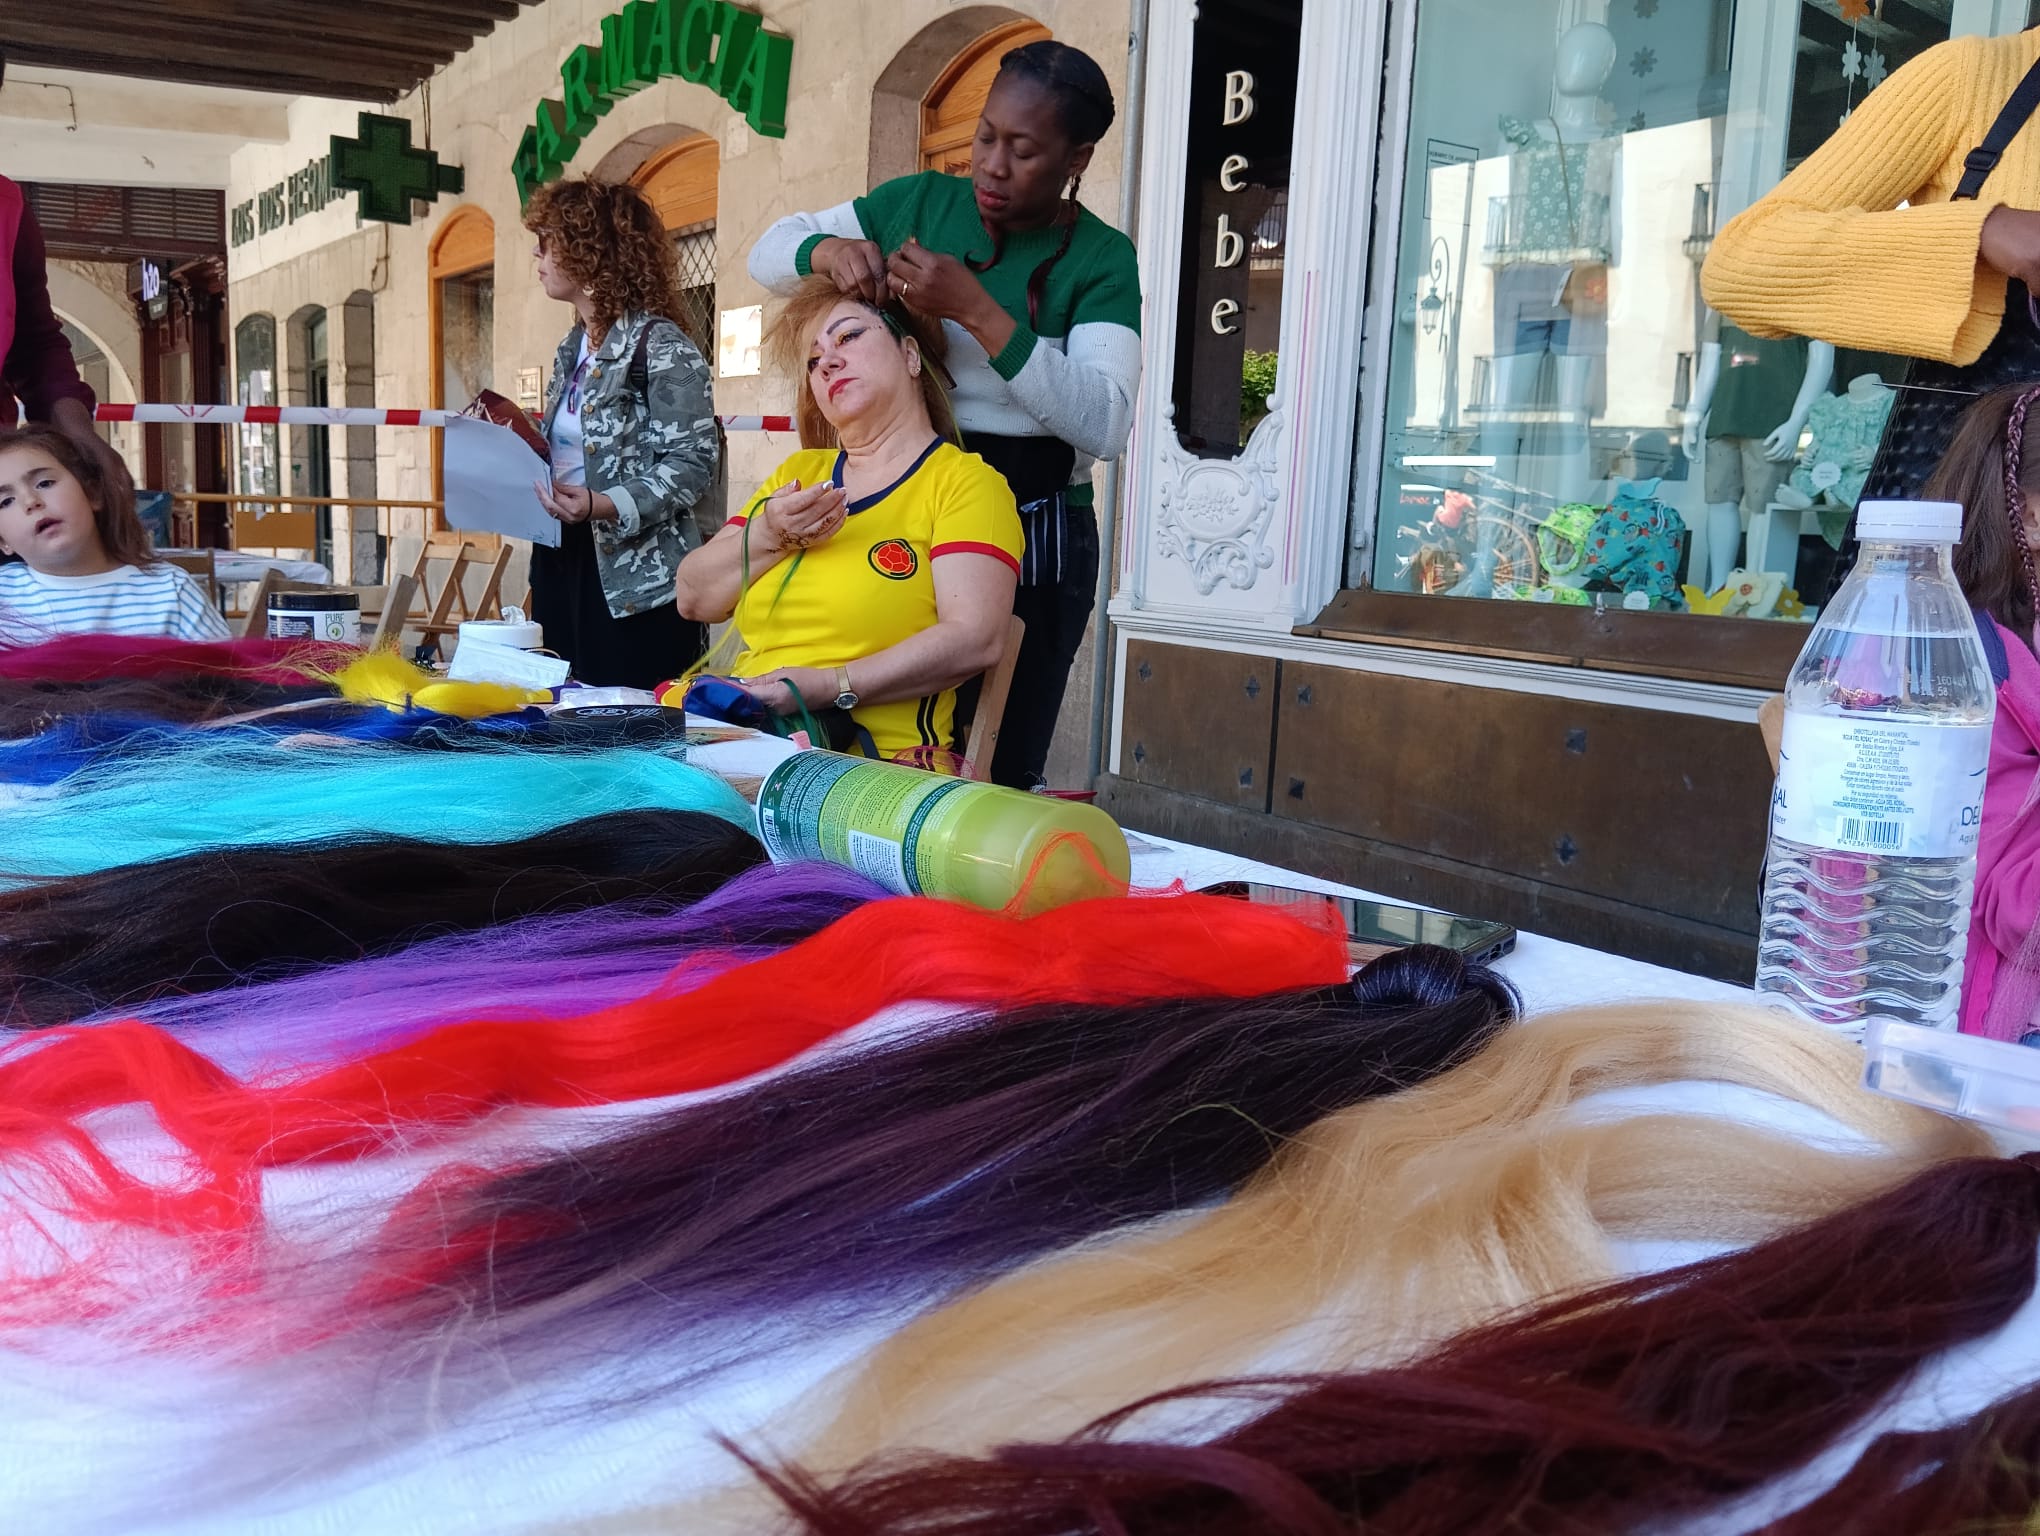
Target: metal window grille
(695,248)
(97,223)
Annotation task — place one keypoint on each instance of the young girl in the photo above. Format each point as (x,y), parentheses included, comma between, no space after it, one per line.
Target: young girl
(1989,470)
(84,564)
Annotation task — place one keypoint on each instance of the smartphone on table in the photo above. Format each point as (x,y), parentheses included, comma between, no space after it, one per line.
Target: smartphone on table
(1373,928)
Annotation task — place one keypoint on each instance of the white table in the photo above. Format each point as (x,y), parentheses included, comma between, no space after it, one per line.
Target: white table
(115,1464)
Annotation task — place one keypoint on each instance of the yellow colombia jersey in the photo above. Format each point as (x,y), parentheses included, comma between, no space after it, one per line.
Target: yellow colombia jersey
(873,584)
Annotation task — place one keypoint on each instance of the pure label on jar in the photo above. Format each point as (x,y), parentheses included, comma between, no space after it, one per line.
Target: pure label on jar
(1860,785)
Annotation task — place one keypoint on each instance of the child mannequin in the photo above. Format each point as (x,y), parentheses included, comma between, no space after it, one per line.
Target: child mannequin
(83,562)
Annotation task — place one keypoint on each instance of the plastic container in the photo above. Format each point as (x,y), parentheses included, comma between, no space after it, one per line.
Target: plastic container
(921,833)
(1874,819)
(1993,1081)
(315,616)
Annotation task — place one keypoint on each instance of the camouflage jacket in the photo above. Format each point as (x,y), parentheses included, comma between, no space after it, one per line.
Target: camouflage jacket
(651,446)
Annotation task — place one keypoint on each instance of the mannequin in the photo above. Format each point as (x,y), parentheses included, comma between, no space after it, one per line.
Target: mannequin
(1846,430)
(1551,262)
(1749,448)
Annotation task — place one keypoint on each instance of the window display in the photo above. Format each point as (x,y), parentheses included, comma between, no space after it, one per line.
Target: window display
(1562,418)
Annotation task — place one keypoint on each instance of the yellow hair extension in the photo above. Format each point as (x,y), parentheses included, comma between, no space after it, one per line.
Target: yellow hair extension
(1390,1226)
(386,678)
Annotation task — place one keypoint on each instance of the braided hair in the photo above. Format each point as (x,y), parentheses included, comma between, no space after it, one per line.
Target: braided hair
(1082,99)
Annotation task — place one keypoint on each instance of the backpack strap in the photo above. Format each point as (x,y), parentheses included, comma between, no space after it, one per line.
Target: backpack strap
(1993,647)
(1982,160)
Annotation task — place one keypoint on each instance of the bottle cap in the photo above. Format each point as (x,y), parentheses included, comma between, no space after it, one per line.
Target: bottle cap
(1909,522)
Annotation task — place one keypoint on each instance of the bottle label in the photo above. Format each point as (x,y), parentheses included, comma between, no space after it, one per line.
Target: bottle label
(1861,785)
(876,818)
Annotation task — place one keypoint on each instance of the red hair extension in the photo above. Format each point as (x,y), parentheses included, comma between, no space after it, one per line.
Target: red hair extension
(734,1024)
(94,658)
(1632,1404)
(1967,1479)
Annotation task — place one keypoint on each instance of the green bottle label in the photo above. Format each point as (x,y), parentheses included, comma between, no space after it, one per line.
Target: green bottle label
(876,818)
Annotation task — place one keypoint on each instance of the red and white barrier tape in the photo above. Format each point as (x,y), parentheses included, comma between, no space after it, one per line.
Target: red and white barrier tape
(344,416)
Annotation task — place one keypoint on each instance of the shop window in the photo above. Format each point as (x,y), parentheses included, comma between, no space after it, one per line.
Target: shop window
(1554,379)
(312,461)
(462,272)
(255,384)
(1236,218)
(954,103)
(682,182)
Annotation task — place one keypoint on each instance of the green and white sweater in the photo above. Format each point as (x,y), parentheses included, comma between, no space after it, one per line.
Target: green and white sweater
(1073,375)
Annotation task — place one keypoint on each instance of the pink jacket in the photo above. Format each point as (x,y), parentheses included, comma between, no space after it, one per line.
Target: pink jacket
(35,359)
(2008,850)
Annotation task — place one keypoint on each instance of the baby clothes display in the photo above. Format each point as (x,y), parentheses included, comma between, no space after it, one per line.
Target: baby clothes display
(1846,430)
(1636,545)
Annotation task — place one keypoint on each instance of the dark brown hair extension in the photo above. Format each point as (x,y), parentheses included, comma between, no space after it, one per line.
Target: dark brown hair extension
(121,532)
(1985,459)
(1630,1404)
(27,709)
(86,944)
(608,238)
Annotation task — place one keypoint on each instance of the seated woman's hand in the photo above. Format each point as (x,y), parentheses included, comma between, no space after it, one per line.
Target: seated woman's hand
(817,689)
(797,516)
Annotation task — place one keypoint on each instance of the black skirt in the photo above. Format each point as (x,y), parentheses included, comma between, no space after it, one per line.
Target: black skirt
(642,651)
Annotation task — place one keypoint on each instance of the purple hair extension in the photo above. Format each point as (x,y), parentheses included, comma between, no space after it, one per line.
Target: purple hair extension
(539,968)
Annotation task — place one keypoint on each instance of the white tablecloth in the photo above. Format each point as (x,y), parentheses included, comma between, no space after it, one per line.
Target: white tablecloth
(88,1464)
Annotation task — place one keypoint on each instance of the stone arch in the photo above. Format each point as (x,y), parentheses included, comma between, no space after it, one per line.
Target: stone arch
(914,72)
(109,321)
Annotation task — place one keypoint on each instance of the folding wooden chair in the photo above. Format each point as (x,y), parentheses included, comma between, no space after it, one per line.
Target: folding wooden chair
(991,705)
(203,568)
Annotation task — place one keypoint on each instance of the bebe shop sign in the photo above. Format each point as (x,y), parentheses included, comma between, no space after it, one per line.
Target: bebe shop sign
(1229,246)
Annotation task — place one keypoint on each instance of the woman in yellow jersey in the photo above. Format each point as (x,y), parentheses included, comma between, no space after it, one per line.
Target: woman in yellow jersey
(874,570)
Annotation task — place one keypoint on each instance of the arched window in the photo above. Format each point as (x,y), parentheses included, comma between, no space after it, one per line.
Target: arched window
(462,272)
(681,180)
(255,384)
(953,104)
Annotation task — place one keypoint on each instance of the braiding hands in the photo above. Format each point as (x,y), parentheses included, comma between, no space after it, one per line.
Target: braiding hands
(938,286)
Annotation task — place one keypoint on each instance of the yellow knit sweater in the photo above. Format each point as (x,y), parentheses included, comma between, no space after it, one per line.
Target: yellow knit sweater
(1830,254)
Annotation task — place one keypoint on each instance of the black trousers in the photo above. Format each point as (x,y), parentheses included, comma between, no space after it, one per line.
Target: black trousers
(1056,617)
(642,651)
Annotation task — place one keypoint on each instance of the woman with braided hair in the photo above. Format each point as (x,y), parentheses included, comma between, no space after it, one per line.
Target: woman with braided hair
(1992,468)
(1040,300)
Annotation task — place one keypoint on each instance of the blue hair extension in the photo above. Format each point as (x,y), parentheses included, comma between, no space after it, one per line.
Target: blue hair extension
(203,793)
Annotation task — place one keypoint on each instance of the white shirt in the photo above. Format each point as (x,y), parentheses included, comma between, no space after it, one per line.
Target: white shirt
(569,458)
(158,600)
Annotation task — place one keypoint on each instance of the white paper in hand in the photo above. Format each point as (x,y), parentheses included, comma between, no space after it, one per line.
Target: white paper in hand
(490,475)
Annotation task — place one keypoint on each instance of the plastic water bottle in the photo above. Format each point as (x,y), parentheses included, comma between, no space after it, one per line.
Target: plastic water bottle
(1874,819)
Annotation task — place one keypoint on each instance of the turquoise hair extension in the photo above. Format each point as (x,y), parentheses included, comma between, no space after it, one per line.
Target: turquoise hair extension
(204,794)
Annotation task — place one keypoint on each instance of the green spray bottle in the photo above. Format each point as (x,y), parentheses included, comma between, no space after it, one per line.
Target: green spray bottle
(923,834)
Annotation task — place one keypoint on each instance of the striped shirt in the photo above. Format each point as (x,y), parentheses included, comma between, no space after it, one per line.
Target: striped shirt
(128,600)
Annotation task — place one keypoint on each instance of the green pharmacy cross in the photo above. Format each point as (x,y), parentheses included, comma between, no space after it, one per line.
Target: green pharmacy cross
(383,167)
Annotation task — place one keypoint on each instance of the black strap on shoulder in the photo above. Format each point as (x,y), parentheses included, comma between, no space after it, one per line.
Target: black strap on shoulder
(1993,648)
(1982,160)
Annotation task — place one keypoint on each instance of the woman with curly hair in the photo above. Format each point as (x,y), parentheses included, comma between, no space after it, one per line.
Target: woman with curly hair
(631,423)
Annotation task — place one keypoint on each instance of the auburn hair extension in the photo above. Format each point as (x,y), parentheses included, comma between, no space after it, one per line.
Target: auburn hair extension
(728,1027)
(1441,1206)
(195,922)
(1634,1403)
(876,1175)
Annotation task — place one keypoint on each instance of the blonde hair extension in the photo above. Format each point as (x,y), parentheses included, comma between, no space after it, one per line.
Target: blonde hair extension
(1404,1221)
